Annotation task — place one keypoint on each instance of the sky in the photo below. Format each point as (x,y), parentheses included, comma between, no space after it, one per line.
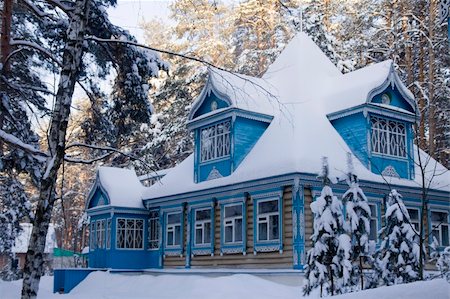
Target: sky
(131,13)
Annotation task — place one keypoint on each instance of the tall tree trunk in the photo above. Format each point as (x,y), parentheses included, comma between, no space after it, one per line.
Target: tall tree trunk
(5,50)
(431,99)
(72,55)
(422,141)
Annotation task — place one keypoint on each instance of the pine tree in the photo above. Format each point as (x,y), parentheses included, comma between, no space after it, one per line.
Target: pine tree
(328,261)
(358,216)
(397,259)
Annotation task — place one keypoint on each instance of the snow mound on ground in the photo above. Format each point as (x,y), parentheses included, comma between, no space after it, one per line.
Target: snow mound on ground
(112,286)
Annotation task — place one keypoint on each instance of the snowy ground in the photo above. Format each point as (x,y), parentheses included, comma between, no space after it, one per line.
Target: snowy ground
(104,285)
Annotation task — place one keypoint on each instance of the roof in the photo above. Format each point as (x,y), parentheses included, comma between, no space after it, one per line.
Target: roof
(299,89)
(23,239)
(122,186)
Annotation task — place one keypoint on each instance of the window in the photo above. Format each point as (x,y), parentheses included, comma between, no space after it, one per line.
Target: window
(130,233)
(439,222)
(202,227)
(99,234)
(232,222)
(268,220)
(373,222)
(108,234)
(215,141)
(414,217)
(92,236)
(388,137)
(173,231)
(153,230)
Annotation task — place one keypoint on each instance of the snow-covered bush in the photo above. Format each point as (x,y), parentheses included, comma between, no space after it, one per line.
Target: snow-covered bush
(397,259)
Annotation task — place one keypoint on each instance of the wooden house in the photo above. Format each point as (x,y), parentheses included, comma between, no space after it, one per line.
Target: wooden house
(241,200)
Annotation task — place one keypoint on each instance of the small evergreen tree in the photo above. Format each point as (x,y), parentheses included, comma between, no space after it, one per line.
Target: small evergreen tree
(358,218)
(328,261)
(397,260)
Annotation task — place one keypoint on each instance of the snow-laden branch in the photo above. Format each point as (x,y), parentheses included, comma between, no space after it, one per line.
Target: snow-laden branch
(37,47)
(110,149)
(35,10)
(131,43)
(87,161)
(17,143)
(60,5)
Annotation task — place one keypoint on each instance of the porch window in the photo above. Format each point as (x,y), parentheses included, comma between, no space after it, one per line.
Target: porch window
(100,233)
(92,236)
(203,226)
(215,141)
(173,229)
(268,219)
(130,233)
(414,217)
(373,234)
(108,233)
(388,137)
(153,230)
(439,222)
(232,222)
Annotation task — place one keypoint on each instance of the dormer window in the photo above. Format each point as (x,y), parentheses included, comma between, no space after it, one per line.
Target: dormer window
(388,137)
(215,141)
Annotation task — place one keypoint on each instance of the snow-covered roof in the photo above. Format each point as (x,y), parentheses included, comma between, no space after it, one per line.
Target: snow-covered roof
(154,174)
(23,239)
(122,186)
(299,89)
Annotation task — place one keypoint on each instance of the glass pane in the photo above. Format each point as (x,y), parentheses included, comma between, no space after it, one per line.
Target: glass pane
(373,229)
(203,214)
(373,210)
(228,234)
(274,228)
(439,217)
(198,236)
(207,233)
(174,218)
(413,214)
(232,211)
(170,238)
(177,235)
(138,239)
(262,231)
(444,230)
(436,235)
(268,206)
(238,230)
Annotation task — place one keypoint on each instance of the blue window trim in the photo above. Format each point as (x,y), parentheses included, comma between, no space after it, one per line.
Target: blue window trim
(433,208)
(172,250)
(272,245)
(159,231)
(202,249)
(199,141)
(144,228)
(237,247)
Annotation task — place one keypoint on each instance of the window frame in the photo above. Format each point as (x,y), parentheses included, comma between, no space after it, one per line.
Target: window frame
(269,242)
(215,137)
(389,136)
(134,230)
(414,221)
(166,229)
(154,237)
(376,218)
(92,236)
(203,229)
(233,219)
(108,233)
(439,228)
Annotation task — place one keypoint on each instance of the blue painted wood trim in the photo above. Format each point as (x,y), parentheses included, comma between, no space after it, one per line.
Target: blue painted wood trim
(189,239)
(191,223)
(298,224)
(268,245)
